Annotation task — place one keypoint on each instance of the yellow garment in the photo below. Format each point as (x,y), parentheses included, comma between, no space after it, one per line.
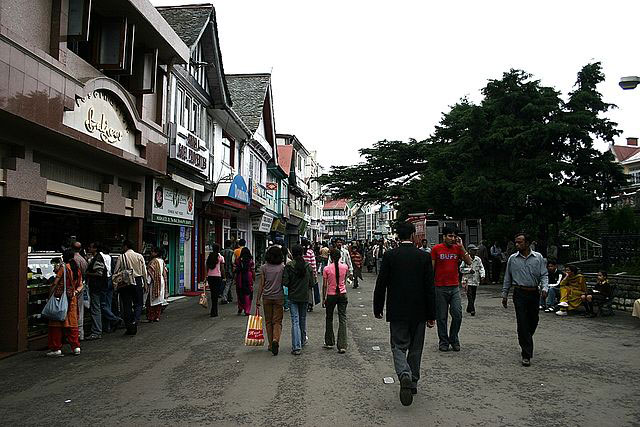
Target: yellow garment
(571,290)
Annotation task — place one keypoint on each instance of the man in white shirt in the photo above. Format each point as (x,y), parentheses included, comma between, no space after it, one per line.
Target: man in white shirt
(109,320)
(345,257)
(133,295)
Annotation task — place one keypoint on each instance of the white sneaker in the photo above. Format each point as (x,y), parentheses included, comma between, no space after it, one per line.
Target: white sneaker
(563,304)
(540,308)
(76,351)
(561,313)
(55,353)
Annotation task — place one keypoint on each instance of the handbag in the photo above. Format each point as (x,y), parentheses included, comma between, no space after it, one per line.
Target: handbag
(316,293)
(203,299)
(254,335)
(56,308)
(123,277)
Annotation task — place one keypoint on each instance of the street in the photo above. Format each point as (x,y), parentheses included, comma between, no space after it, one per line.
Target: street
(190,369)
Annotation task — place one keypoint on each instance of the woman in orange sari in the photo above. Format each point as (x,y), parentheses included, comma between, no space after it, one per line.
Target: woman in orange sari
(572,287)
(69,327)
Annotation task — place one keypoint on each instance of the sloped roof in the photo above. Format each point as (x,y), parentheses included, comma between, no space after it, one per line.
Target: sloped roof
(248,94)
(623,152)
(187,20)
(335,204)
(285,154)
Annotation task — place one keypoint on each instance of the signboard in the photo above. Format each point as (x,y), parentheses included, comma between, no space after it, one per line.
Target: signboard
(272,186)
(190,150)
(100,115)
(258,192)
(262,223)
(238,190)
(181,263)
(278,226)
(172,203)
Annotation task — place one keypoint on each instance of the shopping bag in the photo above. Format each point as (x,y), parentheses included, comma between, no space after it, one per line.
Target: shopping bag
(254,335)
(56,308)
(203,300)
(124,277)
(316,294)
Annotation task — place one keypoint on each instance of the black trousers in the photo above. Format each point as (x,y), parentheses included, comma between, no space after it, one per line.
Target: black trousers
(215,283)
(471,298)
(526,305)
(132,300)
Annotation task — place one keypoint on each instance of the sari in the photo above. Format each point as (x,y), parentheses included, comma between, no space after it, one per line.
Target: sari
(571,290)
(158,290)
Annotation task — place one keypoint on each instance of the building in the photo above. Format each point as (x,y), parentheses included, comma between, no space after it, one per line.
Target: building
(253,100)
(299,196)
(336,217)
(314,171)
(82,109)
(629,158)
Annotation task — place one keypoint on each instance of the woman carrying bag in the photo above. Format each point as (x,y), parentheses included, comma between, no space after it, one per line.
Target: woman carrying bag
(298,277)
(244,272)
(334,291)
(215,277)
(68,279)
(271,290)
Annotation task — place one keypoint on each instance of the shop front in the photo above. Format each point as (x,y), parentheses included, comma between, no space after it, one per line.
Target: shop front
(171,215)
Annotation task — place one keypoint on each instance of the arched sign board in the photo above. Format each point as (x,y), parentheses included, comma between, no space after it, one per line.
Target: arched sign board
(100,114)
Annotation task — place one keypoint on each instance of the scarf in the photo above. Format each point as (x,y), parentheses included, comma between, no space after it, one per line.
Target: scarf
(154,269)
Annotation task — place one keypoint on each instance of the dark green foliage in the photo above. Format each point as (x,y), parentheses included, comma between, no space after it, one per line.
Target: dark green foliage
(520,159)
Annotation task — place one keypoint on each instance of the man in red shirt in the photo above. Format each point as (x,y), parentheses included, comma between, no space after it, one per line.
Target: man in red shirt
(445,258)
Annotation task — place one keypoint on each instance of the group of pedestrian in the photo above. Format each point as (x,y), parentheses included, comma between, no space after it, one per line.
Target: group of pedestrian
(88,280)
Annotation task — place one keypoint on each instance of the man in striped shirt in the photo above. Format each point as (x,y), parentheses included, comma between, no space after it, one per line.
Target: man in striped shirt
(310,257)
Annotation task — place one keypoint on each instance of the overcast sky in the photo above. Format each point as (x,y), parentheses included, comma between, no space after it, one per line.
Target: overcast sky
(349,73)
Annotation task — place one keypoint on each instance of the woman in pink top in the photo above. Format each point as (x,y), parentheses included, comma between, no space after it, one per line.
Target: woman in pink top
(215,276)
(334,290)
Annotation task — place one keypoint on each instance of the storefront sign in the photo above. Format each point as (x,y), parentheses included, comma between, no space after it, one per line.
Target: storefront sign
(100,114)
(258,192)
(303,227)
(272,186)
(190,150)
(172,203)
(279,226)
(238,190)
(262,223)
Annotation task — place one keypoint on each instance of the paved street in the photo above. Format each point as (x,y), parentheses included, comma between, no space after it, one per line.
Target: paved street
(190,369)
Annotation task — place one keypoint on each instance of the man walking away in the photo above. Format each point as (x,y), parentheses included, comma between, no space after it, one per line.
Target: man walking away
(227,253)
(445,258)
(526,271)
(406,277)
(356,261)
(132,295)
(96,278)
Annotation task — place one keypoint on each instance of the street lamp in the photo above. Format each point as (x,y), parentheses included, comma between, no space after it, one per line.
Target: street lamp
(629,82)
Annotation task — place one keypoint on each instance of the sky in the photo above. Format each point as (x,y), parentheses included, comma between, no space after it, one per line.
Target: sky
(348,73)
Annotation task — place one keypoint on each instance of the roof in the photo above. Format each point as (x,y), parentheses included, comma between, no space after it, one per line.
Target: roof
(284,157)
(248,94)
(187,20)
(335,204)
(624,152)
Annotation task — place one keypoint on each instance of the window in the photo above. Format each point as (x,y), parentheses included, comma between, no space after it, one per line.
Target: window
(179,107)
(194,125)
(226,152)
(634,177)
(187,112)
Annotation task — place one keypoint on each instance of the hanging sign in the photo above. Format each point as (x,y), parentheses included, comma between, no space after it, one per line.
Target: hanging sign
(262,223)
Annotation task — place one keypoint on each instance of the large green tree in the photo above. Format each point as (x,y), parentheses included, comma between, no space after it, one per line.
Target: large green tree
(520,158)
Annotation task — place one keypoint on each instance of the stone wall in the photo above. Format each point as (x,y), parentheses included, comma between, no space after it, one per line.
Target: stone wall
(628,290)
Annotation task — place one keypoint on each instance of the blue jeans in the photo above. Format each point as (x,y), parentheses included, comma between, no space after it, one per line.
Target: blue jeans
(448,301)
(106,302)
(552,296)
(298,312)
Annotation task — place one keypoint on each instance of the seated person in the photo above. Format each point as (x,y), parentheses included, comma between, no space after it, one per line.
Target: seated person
(597,295)
(555,277)
(572,287)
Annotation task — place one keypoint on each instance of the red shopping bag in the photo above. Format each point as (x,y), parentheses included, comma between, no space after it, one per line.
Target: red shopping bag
(254,335)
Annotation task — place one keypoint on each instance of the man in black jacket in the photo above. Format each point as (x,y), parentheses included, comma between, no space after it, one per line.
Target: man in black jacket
(406,277)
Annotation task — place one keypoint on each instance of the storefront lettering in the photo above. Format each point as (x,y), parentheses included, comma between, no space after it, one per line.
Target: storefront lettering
(188,155)
(107,133)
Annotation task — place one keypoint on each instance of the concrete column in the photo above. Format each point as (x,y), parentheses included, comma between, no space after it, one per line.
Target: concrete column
(14,229)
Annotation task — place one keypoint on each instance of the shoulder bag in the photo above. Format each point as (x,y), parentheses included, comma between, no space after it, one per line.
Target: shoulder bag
(123,277)
(56,308)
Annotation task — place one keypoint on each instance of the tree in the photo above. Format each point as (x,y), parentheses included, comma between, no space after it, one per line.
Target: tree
(520,159)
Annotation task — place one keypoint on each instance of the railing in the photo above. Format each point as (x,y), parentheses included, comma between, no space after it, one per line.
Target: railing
(586,249)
